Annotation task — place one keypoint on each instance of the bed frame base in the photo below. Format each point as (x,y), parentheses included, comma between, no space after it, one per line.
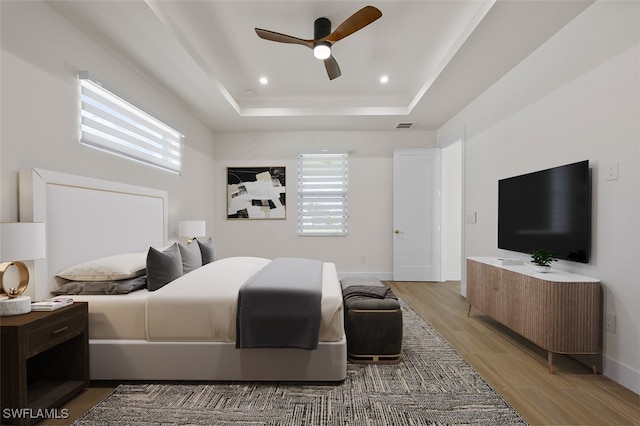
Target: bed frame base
(216,361)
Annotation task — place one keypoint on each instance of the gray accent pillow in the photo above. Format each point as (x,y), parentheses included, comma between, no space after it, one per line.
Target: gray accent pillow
(191,256)
(163,266)
(102,287)
(208,251)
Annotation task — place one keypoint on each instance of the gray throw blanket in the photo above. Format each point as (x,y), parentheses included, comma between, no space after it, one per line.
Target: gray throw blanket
(363,292)
(279,306)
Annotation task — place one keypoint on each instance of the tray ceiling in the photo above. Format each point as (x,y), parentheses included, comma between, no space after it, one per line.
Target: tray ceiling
(437,55)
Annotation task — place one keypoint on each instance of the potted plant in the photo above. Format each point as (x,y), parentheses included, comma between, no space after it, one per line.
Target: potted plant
(542,258)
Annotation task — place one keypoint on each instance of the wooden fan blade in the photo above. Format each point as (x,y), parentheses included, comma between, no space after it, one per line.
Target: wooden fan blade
(333,70)
(355,22)
(283,38)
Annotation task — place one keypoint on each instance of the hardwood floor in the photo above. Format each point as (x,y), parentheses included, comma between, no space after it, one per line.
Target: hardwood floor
(514,367)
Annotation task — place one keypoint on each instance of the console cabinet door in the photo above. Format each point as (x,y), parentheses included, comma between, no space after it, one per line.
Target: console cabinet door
(482,285)
(513,298)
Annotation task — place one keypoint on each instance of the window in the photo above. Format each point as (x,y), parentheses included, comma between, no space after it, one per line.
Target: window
(110,123)
(323,180)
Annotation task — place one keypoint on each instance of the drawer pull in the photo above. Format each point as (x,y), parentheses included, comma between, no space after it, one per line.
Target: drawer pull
(60,330)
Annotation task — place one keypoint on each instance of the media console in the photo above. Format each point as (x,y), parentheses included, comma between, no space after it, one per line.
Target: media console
(558,311)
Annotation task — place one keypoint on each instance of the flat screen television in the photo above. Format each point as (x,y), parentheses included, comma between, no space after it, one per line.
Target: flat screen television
(548,209)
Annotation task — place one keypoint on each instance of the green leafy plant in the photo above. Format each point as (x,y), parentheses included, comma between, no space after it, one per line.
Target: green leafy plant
(543,257)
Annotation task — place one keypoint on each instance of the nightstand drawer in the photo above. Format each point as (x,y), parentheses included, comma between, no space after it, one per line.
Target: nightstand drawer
(54,333)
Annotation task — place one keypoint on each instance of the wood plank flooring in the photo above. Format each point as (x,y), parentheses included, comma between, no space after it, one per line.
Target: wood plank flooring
(514,367)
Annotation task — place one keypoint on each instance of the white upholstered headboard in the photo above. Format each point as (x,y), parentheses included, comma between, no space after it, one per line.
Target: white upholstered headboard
(86,219)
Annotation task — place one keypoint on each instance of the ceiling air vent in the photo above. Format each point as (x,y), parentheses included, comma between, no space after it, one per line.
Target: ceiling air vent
(404,125)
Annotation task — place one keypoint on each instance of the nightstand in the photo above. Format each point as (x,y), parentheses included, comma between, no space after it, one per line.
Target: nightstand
(44,362)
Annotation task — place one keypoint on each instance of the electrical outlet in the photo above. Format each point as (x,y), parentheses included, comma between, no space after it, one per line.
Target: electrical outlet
(612,171)
(610,323)
(363,259)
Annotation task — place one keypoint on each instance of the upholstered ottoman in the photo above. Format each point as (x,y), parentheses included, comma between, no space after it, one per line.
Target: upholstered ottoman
(373,321)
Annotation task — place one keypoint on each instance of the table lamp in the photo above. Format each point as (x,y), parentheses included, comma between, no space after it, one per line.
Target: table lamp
(191,229)
(18,241)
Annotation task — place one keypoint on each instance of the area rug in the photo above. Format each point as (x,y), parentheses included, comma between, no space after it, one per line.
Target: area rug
(433,385)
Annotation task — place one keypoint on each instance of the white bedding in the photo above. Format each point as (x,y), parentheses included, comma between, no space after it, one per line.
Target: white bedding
(120,316)
(199,306)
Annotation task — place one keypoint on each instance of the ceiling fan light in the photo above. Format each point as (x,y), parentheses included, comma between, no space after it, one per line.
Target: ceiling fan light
(322,51)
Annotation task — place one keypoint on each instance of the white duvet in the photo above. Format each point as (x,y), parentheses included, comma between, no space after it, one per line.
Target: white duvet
(199,306)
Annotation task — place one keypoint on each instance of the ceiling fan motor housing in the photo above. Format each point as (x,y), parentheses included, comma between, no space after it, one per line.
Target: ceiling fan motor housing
(321,28)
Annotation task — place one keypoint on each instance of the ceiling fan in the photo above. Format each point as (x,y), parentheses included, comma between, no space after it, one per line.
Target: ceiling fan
(324,38)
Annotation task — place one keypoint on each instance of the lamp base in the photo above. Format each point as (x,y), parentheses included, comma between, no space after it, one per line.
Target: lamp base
(15,306)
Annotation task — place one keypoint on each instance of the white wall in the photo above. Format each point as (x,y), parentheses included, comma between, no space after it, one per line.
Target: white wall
(575,98)
(370,197)
(41,55)
(452,211)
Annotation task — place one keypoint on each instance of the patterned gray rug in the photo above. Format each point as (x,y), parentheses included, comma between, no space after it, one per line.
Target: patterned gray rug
(433,385)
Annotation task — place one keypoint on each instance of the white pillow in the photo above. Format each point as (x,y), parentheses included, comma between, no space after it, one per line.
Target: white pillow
(118,267)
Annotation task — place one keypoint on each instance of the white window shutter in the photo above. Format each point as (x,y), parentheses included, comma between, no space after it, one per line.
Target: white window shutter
(112,124)
(323,180)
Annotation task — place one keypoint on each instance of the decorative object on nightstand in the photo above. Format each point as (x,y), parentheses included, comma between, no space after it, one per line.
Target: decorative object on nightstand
(19,241)
(542,258)
(191,229)
(51,304)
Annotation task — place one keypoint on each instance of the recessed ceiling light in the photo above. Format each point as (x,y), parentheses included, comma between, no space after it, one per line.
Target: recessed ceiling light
(263,80)
(384,79)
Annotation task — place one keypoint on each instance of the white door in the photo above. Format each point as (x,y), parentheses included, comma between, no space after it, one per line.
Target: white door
(416,215)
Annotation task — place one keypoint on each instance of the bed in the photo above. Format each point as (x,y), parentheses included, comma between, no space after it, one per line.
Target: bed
(173,333)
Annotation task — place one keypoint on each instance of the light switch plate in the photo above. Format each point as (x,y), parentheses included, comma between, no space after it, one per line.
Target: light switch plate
(612,171)
(472,217)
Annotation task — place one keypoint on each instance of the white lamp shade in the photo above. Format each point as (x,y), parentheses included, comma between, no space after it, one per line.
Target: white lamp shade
(22,241)
(191,228)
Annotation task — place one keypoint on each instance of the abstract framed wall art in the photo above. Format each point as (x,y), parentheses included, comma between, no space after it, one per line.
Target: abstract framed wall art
(256,193)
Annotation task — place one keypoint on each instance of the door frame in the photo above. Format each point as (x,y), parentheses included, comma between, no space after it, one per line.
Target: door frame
(466,219)
(436,209)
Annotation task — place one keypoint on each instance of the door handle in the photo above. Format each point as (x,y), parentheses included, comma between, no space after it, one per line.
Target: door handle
(397,231)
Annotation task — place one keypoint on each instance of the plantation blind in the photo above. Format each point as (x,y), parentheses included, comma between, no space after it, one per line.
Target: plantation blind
(323,180)
(112,124)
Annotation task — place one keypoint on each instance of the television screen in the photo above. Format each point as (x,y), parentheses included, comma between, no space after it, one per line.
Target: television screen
(549,209)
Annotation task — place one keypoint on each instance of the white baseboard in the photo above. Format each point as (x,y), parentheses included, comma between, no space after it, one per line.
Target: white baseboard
(388,276)
(383,276)
(451,276)
(622,374)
